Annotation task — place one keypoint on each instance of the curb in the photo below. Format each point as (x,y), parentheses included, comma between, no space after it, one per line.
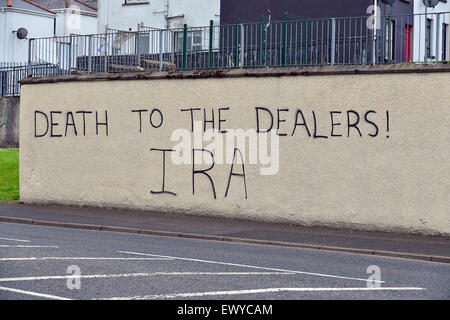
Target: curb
(410,256)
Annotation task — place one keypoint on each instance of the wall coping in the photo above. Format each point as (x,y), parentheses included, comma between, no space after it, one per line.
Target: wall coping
(237,73)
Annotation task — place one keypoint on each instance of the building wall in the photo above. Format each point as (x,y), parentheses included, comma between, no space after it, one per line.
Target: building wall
(437,41)
(369,151)
(115,15)
(75,22)
(37,24)
(2,34)
(351,26)
(252,10)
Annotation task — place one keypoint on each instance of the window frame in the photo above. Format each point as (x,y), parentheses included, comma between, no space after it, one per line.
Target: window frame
(135,2)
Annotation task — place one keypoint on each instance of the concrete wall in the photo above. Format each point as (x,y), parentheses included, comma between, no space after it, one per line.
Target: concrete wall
(369,150)
(9,122)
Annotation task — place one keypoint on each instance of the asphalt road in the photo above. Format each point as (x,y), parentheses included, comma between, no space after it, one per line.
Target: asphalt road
(34,264)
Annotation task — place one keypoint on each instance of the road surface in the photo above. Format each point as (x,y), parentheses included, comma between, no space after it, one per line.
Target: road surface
(39,262)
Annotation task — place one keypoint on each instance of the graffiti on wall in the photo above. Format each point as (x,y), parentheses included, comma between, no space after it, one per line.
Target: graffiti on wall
(208,138)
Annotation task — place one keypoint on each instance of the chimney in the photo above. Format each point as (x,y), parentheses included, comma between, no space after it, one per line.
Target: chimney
(9,3)
(68,3)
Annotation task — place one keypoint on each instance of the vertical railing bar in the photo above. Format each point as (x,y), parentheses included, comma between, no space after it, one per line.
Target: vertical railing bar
(388,46)
(290,43)
(350,40)
(160,50)
(361,58)
(211,35)
(317,37)
(237,42)
(261,42)
(185,32)
(367,45)
(321,43)
(89,54)
(331,41)
(276,44)
(296,43)
(301,44)
(338,42)
(29,72)
(355,41)
(284,39)
(270,48)
(306,42)
(345,41)
(437,37)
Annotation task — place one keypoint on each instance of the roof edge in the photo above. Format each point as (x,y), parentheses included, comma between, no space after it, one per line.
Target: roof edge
(39,6)
(85,4)
(28,11)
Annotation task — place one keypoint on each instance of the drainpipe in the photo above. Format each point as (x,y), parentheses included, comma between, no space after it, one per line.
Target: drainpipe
(167,14)
(107,16)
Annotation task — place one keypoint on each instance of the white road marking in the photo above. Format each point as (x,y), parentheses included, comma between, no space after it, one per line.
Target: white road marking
(250,266)
(18,240)
(24,246)
(83,258)
(36,294)
(256,291)
(128,275)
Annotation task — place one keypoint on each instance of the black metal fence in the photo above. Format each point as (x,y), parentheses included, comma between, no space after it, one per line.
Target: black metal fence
(12,73)
(384,39)
(416,38)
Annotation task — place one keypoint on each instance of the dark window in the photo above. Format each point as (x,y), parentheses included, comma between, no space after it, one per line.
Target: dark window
(194,41)
(131,2)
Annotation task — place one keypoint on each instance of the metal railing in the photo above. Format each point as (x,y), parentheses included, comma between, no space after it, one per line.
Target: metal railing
(12,73)
(416,38)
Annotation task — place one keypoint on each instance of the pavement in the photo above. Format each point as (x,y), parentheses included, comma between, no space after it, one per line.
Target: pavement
(405,246)
(45,262)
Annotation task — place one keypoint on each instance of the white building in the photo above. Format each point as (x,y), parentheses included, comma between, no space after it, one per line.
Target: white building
(73,16)
(161,14)
(431,30)
(134,15)
(40,19)
(17,14)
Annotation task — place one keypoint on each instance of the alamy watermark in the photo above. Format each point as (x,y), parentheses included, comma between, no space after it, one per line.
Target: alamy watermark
(73,20)
(374,280)
(233,146)
(374,19)
(74,278)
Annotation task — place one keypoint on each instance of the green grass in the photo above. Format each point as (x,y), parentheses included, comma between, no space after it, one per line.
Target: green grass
(9,175)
